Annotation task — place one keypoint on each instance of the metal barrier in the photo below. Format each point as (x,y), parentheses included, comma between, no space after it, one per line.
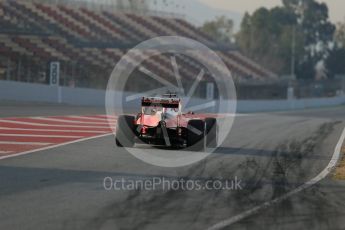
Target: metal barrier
(19,91)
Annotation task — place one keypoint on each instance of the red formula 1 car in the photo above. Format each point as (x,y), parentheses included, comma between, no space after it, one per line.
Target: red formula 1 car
(161,122)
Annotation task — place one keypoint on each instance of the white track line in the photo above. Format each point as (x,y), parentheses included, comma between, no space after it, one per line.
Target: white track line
(331,165)
(69,121)
(22,143)
(5,152)
(91,118)
(40,124)
(52,130)
(34,135)
(106,116)
(53,146)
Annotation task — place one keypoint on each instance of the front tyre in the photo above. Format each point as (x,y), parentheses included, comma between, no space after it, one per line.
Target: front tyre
(125,131)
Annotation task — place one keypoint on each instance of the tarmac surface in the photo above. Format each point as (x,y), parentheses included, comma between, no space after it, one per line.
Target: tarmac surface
(268,154)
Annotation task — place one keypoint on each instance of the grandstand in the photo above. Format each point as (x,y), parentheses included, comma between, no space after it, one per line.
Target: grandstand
(88,41)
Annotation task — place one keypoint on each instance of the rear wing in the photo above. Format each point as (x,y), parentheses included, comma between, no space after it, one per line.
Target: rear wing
(172,103)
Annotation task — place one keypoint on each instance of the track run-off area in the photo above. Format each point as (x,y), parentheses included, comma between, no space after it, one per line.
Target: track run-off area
(25,135)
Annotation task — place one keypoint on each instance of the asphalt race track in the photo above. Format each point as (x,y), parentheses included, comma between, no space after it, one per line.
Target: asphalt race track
(272,154)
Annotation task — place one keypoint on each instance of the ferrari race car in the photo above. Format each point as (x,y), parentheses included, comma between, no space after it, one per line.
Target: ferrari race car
(161,122)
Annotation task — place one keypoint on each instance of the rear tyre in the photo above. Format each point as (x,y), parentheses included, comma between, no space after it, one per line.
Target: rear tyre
(211,132)
(196,135)
(125,131)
